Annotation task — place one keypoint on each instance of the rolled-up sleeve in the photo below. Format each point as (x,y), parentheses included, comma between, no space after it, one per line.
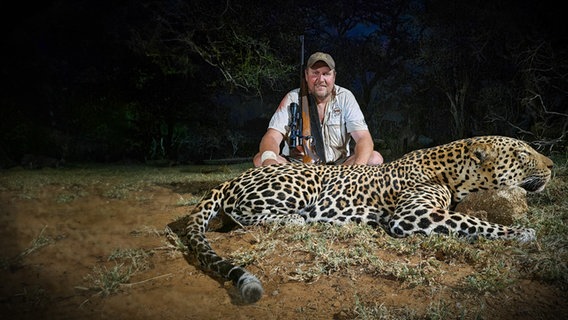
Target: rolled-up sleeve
(354,118)
(280,120)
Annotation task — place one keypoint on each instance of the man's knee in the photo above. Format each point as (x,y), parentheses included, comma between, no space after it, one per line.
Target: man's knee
(376,159)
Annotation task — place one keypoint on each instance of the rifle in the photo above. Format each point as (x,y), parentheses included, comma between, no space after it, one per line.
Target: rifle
(303,143)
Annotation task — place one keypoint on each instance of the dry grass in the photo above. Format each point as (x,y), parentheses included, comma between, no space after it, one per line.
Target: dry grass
(308,253)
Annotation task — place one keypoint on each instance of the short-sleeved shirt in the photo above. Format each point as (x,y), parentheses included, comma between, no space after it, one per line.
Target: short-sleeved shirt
(342,116)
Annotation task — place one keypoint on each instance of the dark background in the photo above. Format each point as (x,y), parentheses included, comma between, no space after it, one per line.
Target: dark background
(183,81)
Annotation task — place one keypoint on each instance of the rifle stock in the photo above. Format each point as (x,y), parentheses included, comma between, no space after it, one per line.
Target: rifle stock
(309,142)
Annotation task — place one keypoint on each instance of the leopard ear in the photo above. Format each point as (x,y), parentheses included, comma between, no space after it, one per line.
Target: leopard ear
(481,153)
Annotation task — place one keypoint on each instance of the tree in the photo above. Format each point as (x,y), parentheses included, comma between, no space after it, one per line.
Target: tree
(542,90)
(222,34)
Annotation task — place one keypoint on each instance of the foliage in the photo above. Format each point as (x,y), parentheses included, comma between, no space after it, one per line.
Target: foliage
(217,33)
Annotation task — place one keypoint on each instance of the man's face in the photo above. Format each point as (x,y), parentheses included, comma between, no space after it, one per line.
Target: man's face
(321,80)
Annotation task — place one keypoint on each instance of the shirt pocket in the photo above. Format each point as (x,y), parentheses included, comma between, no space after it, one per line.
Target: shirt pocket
(334,132)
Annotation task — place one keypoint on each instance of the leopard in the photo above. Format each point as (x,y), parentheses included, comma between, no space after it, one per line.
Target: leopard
(414,194)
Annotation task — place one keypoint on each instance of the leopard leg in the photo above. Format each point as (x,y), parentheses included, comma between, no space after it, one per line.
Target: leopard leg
(417,213)
(443,221)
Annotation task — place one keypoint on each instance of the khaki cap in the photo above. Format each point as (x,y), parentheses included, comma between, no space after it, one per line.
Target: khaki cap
(320,56)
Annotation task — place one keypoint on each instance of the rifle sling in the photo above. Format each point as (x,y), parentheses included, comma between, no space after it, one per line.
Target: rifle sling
(312,126)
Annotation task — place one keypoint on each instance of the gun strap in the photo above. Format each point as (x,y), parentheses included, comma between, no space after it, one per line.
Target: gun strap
(312,125)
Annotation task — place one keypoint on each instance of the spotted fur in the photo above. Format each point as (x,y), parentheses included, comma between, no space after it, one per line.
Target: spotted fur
(413,194)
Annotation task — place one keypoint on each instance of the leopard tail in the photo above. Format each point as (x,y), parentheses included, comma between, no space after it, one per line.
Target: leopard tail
(247,284)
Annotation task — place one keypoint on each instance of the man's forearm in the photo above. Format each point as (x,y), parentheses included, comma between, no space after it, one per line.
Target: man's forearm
(363,151)
(269,149)
(269,144)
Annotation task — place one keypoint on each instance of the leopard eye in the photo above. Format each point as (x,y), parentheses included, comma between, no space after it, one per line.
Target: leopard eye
(522,156)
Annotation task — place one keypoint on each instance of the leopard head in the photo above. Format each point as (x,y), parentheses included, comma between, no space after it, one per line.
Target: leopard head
(503,161)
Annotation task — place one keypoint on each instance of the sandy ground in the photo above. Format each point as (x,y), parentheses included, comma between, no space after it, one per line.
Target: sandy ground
(52,282)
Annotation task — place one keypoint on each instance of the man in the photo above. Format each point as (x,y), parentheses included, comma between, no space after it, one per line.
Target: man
(339,114)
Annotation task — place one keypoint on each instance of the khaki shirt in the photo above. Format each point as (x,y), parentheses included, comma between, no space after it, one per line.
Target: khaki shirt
(342,116)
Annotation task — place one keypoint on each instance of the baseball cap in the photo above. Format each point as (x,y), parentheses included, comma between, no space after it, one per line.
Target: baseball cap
(320,56)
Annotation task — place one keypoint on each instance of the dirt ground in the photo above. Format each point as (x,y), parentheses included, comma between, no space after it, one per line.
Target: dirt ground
(53,281)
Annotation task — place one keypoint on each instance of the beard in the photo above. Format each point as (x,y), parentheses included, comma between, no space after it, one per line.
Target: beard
(322,92)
